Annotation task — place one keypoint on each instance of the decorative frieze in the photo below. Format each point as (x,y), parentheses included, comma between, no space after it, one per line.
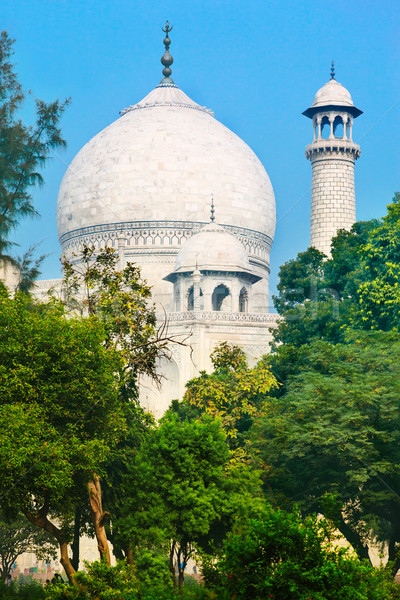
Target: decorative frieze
(222,316)
(161,238)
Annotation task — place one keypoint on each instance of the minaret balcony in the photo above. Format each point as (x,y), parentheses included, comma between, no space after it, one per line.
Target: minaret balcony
(333,145)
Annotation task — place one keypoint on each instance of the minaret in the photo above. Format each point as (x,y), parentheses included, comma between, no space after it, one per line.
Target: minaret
(332,154)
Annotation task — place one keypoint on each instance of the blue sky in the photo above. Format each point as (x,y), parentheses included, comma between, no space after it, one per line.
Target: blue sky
(256,64)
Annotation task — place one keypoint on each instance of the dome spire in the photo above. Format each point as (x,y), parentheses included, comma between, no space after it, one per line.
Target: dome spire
(332,69)
(212,211)
(167,59)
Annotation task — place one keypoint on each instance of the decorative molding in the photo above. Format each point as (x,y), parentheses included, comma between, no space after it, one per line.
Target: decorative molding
(175,352)
(256,351)
(161,238)
(185,226)
(161,104)
(223,316)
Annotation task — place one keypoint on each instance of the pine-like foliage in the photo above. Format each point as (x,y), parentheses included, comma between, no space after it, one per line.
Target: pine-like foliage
(24,149)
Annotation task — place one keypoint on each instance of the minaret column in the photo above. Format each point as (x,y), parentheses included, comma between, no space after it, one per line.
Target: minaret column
(333,200)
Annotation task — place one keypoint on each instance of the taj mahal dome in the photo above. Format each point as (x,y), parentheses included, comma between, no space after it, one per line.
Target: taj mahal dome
(180,195)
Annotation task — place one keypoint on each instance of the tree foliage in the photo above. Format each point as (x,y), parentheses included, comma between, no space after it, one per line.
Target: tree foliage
(284,556)
(69,380)
(28,268)
(100,582)
(356,288)
(24,149)
(182,494)
(378,297)
(60,412)
(233,393)
(121,300)
(336,431)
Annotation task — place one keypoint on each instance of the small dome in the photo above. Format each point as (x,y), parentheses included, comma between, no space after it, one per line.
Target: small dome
(212,249)
(333,93)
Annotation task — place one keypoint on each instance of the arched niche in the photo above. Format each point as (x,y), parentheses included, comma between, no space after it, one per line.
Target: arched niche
(338,127)
(325,128)
(220,298)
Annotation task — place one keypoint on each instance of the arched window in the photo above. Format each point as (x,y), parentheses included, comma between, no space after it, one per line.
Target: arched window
(325,128)
(338,127)
(219,294)
(243,301)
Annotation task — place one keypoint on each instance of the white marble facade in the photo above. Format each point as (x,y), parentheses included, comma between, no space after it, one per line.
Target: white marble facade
(144,185)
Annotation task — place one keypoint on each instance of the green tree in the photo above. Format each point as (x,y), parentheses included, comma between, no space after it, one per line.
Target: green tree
(59,411)
(121,301)
(233,393)
(319,299)
(100,582)
(317,295)
(378,296)
(123,487)
(18,536)
(24,149)
(284,556)
(184,492)
(336,431)
(28,269)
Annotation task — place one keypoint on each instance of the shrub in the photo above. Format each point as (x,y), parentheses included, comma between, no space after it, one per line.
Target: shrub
(285,557)
(153,575)
(100,582)
(22,590)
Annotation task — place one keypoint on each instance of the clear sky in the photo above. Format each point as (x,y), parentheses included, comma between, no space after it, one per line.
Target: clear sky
(256,63)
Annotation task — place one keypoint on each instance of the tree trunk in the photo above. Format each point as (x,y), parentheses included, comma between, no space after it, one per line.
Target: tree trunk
(180,577)
(171,563)
(185,552)
(354,539)
(41,520)
(99,518)
(129,555)
(392,553)
(76,541)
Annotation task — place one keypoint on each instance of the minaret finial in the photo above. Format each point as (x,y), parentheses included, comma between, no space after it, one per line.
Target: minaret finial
(167,59)
(333,70)
(212,217)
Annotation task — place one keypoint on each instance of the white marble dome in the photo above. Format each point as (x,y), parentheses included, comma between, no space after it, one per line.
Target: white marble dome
(332,93)
(161,161)
(212,249)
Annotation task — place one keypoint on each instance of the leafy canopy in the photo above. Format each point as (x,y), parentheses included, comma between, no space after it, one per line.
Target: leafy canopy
(285,556)
(233,393)
(336,430)
(59,400)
